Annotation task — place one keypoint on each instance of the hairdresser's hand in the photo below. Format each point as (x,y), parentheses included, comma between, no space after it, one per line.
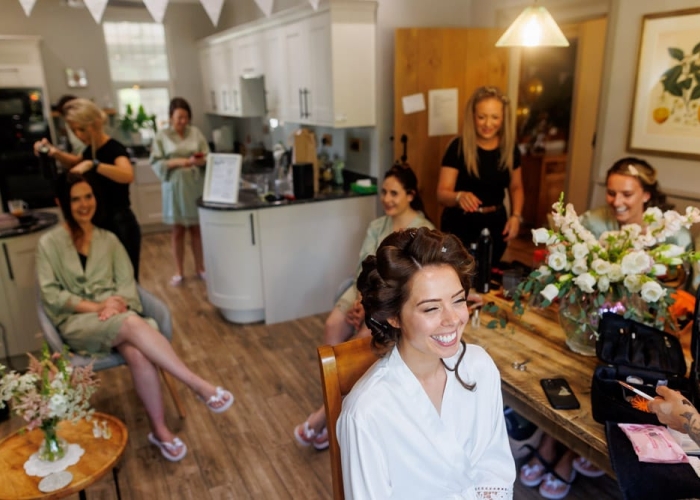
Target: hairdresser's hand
(674,410)
(468,201)
(44,143)
(82,167)
(356,315)
(511,229)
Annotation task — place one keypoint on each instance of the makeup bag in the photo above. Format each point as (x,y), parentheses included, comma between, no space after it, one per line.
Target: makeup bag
(642,356)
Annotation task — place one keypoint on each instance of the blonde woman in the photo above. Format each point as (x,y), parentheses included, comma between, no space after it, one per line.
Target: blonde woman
(178,156)
(476,170)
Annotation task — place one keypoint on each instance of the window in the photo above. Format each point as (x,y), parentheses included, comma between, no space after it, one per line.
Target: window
(138,63)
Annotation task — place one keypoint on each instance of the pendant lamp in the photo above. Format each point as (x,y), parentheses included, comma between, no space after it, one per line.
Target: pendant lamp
(534,27)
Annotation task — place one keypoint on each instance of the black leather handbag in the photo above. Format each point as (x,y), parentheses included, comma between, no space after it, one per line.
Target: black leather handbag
(642,356)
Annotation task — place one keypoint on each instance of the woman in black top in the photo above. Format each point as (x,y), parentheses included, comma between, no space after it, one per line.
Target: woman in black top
(109,171)
(476,170)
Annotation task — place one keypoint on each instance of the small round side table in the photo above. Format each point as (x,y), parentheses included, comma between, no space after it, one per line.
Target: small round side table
(101,455)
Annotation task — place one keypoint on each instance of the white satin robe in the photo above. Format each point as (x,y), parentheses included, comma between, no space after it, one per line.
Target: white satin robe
(395,445)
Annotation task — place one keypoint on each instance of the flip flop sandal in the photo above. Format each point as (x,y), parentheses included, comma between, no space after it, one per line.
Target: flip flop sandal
(555,487)
(173,451)
(532,475)
(176,280)
(586,468)
(218,398)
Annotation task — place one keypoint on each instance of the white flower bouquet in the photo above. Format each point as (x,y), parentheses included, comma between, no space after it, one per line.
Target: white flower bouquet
(626,266)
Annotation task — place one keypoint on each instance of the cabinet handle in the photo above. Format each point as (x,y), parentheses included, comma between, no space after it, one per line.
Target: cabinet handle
(301,105)
(252,230)
(306,102)
(213,100)
(224,101)
(7,260)
(235,99)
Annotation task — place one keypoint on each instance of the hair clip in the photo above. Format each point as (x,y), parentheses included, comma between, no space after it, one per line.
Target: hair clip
(443,249)
(377,324)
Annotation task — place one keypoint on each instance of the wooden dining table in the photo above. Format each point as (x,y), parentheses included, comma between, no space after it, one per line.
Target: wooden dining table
(537,338)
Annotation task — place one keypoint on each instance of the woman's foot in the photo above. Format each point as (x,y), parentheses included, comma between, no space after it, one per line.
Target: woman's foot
(202,275)
(585,468)
(219,400)
(170,446)
(533,472)
(306,436)
(176,280)
(555,487)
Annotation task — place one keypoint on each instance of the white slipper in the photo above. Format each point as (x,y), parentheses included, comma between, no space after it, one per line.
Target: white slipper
(168,450)
(219,397)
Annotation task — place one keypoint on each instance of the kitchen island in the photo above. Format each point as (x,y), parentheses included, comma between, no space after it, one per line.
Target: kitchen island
(282,260)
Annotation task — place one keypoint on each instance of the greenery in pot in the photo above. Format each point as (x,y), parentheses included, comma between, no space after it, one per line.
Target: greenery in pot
(130,123)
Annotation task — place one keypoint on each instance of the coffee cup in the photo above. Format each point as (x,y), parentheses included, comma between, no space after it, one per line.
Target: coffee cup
(17,207)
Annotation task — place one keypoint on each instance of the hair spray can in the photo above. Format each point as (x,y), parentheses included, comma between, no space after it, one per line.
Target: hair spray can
(483,261)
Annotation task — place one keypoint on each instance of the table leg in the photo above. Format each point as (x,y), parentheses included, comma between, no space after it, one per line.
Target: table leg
(81,495)
(115,475)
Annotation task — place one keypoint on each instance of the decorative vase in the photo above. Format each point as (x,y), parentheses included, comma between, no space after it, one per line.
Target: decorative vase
(52,448)
(579,319)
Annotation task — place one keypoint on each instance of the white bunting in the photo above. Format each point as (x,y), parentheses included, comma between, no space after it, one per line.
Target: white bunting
(314,3)
(265,6)
(96,8)
(27,5)
(157,9)
(213,8)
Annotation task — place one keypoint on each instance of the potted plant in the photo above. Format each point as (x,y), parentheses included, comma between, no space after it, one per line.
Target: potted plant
(132,124)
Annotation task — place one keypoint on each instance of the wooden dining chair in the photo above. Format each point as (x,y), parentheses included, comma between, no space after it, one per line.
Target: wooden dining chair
(341,366)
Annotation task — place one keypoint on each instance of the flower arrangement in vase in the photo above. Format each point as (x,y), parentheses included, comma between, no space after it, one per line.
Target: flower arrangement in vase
(622,271)
(50,391)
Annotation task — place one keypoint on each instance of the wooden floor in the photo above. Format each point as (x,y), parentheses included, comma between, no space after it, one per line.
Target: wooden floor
(248,451)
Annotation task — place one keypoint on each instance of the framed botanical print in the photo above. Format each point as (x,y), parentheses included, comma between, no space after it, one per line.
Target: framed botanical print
(666,108)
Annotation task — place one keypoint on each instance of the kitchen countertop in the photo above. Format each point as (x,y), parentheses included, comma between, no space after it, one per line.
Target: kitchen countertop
(41,220)
(248,200)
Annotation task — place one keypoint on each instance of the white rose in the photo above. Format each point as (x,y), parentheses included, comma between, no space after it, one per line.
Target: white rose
(550,292)
(540,235)
(633,283)
(603,284)
(636,262)
(579,266)
(652,291)
(659,270)
(557,261)
(585,282)
(600,266)
(615,274)
(579,250)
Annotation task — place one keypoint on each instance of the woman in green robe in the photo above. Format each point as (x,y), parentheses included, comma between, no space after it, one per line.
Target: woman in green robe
(178,156)
(89,293)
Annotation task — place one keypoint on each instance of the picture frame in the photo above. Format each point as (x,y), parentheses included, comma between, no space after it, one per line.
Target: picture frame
(665,118)
(221,180)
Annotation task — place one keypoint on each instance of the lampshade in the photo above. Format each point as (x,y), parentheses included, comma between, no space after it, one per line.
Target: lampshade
(534,27)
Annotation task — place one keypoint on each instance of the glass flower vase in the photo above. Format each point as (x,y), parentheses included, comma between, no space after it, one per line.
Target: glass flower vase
(53,447)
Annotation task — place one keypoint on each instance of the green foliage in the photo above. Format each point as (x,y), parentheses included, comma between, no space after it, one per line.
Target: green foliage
(130,123)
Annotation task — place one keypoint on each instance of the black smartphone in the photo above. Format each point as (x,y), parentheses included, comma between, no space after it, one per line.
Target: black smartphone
(559,394)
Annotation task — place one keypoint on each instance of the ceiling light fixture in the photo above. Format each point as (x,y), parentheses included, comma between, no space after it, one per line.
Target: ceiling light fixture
(534,27)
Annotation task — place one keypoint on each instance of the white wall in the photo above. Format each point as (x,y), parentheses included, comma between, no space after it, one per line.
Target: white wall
(72,39)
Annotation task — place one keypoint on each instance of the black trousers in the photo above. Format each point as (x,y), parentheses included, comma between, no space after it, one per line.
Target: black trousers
(467,227)
(124,225)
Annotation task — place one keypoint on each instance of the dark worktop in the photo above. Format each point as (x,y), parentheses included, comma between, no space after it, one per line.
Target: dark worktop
(248,200)
(30,223)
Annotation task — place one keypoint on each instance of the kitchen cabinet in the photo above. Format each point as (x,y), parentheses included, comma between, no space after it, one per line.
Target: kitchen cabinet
(20,63)
(209,92)
(273,71)
(232,258)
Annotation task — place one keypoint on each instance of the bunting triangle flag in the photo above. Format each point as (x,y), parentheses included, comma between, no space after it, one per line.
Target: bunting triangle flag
(213,9)
(265,6)
(157,9)
(314,3)
(96,8)
(27,5)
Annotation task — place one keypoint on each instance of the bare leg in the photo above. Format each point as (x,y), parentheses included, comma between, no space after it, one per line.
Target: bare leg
(156,348)
(196,244)
(178,239)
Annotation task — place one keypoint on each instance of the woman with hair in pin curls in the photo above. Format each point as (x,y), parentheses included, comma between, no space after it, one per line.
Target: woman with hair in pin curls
(88,291)
(426,420)
(476,170)
(403,208)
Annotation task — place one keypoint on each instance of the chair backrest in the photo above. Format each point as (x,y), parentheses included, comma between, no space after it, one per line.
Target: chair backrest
(341,366)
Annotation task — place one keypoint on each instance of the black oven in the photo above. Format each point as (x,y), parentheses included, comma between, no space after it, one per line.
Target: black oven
(22,123)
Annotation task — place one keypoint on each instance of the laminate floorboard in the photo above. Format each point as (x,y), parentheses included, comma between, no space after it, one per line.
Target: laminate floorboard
(247,452)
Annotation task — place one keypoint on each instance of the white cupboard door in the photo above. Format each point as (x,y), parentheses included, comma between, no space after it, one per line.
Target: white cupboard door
(219,75)
(249,52)
(274,73)
(207,84)
(318,97)
(296,69)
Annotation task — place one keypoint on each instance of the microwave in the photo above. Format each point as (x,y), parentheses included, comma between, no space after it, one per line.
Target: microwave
(22,119)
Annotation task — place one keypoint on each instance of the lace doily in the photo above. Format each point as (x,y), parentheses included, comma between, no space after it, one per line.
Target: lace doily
(35,467)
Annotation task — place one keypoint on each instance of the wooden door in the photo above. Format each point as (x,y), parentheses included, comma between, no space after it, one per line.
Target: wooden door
(440,58)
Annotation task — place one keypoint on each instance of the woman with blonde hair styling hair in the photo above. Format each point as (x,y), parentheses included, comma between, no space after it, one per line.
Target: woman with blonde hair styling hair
(105,164)
(477,168)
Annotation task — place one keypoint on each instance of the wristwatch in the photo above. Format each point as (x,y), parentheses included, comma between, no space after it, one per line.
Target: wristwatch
(95,163)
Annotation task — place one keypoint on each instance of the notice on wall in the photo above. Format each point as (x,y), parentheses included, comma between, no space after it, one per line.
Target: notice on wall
(222,178)
(413,103)
(442,112)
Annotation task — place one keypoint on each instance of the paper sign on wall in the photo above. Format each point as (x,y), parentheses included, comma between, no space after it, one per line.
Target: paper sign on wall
(213,9)
(265,6)
(157,9)
(442,112)
(27,5)
(413,103)
(96,8)
(222,177)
